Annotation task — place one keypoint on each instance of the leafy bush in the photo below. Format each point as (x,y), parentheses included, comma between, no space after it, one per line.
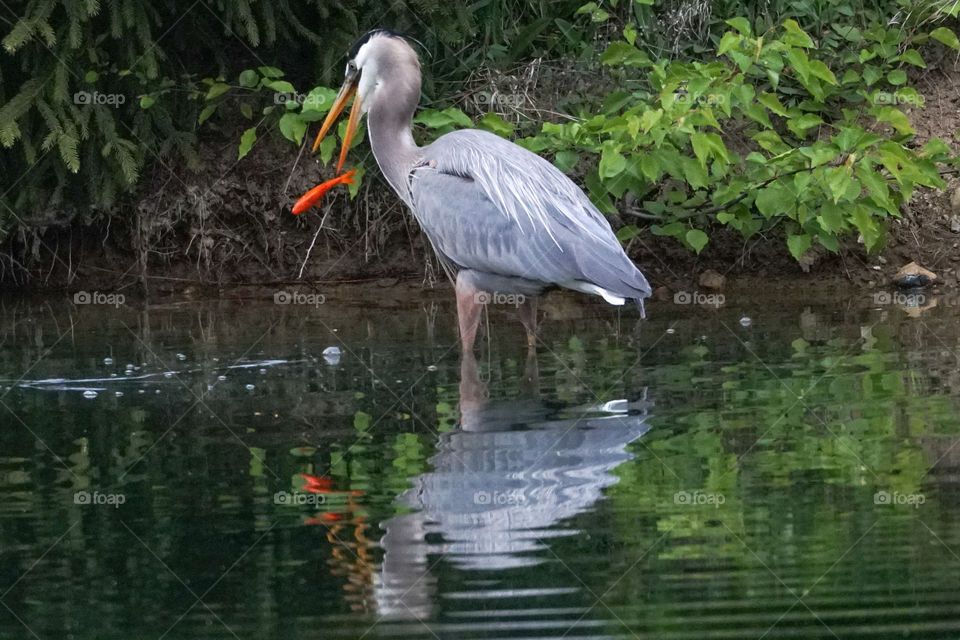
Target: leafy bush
(93,93)
(764,135)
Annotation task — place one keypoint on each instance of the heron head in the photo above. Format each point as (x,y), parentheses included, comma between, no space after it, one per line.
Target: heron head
(378,56)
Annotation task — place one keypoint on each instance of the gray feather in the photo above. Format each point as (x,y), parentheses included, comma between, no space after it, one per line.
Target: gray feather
(491,206)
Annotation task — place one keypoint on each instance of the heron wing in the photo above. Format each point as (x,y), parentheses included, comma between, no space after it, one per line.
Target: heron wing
(490,205)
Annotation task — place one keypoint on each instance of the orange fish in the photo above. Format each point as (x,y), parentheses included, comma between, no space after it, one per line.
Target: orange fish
(316,484)
(313,196)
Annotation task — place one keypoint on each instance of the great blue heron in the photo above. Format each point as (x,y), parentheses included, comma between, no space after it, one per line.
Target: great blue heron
(505,223)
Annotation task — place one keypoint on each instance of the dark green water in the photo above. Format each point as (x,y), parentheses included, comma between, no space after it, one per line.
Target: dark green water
(696,475)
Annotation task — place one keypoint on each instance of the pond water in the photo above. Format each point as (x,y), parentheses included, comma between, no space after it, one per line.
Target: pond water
(782,465)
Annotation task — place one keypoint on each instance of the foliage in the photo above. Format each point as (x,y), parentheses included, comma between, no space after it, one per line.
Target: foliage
(765,135)
(92,93)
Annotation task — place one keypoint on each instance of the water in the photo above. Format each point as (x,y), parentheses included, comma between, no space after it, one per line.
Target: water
(782,466)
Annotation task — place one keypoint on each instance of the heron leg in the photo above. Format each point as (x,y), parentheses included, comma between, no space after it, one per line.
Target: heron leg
(528,316)
(469,309)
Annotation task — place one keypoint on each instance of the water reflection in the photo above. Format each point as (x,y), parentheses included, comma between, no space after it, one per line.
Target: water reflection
(506,480)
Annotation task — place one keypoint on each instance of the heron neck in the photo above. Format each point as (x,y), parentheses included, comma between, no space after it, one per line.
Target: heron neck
(392,142)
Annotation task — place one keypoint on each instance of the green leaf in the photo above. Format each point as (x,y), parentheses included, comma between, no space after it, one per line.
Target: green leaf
(693,173)
(247,140)
(67,144)
(91,77)
(946,36)
(217,90)
(674,229)
(730,40)
(319,99)
(771,141)
(206,113)
(871,74)
(566,159)
(270,72)
(796,36)
(628,232)
(495,124)
(804,123)
(707,145)
(246,111)
(913,57)
(650,118)
(696,239)
(740,24)
(819,153)
(435,119)
(896,77)
(622,53)
(895,117)
(773,200)
(249,78)
(820,70)
(934,147)
(838,180)
(868,227)
(612,162)
(280,86)
(146,101)
(828,241)
(831,217)
(757,113)
(292,127)
(772,102)
(798,245)
(327,148)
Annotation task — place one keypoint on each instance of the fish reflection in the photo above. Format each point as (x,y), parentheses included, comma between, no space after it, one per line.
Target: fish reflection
(507,480)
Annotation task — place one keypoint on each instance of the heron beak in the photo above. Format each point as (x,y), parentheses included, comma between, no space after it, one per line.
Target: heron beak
(350,132)
(347,91)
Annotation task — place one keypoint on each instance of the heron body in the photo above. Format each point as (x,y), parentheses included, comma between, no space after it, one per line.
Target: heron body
(502,220)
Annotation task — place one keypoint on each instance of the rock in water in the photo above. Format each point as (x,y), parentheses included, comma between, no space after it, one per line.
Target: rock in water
(331,355)
(710,279)
(913,275)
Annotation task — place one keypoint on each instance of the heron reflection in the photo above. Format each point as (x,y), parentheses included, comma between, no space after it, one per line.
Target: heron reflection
(512,476)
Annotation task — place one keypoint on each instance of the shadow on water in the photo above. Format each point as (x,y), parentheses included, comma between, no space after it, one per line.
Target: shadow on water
(771,467)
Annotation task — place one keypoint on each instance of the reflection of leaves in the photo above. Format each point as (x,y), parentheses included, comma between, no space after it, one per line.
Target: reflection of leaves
(362,421)
(740,427)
